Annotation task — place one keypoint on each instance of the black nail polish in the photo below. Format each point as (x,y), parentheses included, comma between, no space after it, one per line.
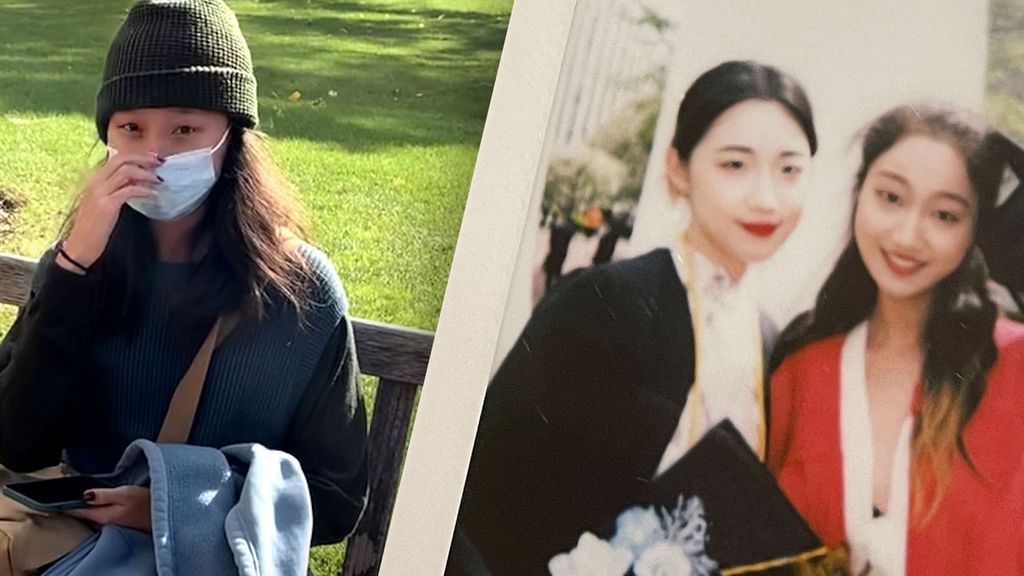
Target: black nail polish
(159,178)
(89,496)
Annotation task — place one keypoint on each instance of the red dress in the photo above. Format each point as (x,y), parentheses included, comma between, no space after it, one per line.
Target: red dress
(978,528)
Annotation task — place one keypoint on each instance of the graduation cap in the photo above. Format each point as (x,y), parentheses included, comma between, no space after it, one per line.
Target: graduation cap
(749,519)
(1002,237)
(745,523)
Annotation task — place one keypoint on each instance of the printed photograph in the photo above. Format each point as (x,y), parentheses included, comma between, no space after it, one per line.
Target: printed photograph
(225,236)
(765,313)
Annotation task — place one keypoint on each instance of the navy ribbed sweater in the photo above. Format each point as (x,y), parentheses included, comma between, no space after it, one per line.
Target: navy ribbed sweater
(286,385)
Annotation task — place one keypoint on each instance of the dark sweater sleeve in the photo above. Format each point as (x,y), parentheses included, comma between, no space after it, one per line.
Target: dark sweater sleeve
(328,437)
(42,360)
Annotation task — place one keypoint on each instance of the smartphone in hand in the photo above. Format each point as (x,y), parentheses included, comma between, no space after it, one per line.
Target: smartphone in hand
(54,495)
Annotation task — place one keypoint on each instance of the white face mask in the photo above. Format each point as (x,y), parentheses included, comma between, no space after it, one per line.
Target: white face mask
(187,180)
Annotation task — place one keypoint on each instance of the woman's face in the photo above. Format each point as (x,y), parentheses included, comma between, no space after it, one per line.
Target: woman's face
(914,218)
(743,183)
(167,131)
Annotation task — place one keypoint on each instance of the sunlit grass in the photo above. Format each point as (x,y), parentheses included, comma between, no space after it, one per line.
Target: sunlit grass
(380,145)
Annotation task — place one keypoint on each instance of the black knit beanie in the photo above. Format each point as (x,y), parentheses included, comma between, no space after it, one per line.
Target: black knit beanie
(183,53)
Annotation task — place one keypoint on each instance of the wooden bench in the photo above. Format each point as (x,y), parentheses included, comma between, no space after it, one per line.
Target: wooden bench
(396,355)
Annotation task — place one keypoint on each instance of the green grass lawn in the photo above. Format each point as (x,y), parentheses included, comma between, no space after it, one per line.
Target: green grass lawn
(381,145)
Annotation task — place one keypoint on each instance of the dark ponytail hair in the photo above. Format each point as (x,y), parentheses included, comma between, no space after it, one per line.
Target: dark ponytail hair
(728,84)
(958,334)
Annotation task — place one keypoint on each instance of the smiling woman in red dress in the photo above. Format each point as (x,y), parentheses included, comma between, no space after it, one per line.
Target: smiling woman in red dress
(897,408)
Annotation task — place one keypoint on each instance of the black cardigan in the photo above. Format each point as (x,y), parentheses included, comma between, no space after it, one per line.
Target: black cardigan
(578,415)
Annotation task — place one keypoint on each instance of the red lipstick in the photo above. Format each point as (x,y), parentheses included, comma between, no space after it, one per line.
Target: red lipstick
(760,229)
(901,265)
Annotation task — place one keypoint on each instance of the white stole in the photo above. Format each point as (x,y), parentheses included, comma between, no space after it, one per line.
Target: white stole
(728,379)
(881,541)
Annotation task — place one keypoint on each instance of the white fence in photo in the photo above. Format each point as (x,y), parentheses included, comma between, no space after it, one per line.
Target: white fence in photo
(613,57)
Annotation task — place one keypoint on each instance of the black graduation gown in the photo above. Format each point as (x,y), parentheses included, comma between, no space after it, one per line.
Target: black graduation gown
(577,417)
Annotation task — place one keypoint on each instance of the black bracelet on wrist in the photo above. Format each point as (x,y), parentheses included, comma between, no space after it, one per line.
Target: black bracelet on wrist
(72,261)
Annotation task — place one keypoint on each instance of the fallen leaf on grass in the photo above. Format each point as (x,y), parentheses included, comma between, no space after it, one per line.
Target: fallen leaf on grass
(10,201)
(10,198)
(295,96)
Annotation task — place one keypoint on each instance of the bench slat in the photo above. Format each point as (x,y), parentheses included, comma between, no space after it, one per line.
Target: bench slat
(394,353)
(15,278)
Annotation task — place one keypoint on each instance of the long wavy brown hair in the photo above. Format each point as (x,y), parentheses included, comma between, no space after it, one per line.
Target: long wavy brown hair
(248,233)
(958,334)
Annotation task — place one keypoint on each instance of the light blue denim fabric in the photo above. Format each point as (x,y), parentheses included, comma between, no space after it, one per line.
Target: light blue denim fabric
(244,510)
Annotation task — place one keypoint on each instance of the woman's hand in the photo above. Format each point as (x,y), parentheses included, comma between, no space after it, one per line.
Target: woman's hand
(122,177)
(126,506)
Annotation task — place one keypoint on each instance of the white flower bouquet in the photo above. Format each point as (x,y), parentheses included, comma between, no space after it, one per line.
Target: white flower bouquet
(648,541)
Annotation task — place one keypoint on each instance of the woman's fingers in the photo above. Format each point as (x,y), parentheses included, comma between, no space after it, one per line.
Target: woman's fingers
(124,176)
(147,161)
(128,174)
(126,506)
(123,169)
(108,496)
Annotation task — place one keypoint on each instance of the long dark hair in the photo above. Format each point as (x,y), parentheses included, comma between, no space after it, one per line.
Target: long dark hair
(958,334)
(728,84)
(248,228)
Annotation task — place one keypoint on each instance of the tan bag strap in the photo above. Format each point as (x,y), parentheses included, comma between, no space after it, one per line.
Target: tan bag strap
(182,410)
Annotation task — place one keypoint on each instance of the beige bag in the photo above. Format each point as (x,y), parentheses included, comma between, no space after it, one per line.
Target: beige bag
(30,539)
